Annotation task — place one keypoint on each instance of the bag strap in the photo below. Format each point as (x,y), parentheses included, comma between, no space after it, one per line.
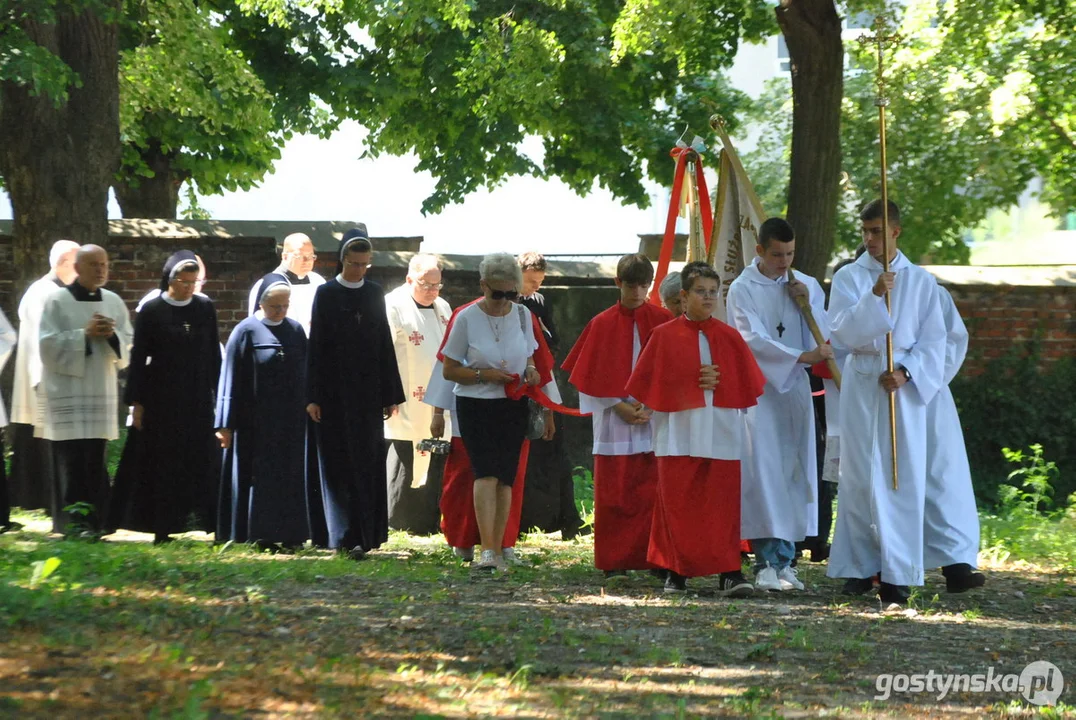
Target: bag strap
(522,320)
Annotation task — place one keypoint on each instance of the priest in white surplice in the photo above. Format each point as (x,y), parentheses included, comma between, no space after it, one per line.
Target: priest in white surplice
(297,258)
(85,339)
(880,529)
(30,484)
(951,529)
(417,319)
(779,471)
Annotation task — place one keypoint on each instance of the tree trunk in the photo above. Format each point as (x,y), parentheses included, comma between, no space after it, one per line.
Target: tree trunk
(58,161)
(151,197)
(812,30)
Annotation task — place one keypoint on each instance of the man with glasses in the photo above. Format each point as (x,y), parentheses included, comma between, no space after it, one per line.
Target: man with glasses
(297,258)
(417,320)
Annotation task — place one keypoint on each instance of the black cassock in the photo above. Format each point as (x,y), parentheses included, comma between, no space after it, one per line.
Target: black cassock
(165,483)
(262,399)
(352,376)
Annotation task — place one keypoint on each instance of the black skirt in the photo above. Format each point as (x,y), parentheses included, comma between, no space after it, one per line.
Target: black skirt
(492,431)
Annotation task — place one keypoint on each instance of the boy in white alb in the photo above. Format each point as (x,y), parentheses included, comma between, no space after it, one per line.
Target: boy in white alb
(779,470)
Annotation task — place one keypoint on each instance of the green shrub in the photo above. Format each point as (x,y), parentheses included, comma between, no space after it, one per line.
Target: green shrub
(583,480)
(1014,403)
(1026,525)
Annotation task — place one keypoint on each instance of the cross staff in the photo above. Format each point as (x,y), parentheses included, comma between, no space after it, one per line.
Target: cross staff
(880,39)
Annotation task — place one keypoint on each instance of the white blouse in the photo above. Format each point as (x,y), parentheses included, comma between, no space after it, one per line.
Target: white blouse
(480,341)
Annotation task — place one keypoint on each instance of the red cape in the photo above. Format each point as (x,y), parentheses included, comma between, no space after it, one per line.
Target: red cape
(666,378)
(600,362)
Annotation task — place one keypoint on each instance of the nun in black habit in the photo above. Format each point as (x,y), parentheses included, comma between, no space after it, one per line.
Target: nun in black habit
(261,419)
(169,484)
(353,382)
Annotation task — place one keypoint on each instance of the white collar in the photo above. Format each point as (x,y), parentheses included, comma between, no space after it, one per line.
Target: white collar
(899,262)
(175,303)
(272,323)
(754,273)
(351,285)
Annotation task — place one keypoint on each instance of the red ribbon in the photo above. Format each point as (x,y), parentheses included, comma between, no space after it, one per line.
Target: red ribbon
(517,389)
(682,155)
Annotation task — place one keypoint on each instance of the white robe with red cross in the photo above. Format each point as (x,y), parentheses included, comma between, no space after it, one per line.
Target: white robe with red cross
(416,336)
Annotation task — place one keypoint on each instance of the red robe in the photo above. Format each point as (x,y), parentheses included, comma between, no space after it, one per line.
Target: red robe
(696,527)
(624,485)
(458,521)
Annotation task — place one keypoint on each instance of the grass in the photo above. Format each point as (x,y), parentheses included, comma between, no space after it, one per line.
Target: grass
(190,630)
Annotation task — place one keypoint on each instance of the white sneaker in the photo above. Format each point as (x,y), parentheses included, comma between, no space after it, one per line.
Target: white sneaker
(766,579)
(510,557)
(486,561)
(788,575)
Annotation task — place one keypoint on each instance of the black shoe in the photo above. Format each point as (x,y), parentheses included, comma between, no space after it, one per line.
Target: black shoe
(820,554)
(660,573)
(675,583)
(734,584)
(356,553)
(574,529)
(890,593)
(857,586)
(609,574)
(961,578)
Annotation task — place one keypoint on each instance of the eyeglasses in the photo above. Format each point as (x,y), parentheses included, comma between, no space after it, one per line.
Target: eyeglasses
(705,293)
(353,264)
(429,286)
(503,294)
(305,258)
(275,308)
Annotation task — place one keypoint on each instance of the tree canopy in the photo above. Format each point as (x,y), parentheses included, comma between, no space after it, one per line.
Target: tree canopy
(980,104)
(191,108)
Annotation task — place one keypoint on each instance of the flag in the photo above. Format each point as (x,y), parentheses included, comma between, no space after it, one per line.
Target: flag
(738,214)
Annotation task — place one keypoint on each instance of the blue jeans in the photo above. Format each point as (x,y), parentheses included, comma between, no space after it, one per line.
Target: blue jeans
(776,553)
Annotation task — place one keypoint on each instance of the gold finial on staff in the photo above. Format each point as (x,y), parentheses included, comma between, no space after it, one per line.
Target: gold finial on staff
(880,39)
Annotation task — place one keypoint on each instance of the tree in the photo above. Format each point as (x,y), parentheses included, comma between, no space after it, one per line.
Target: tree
(59,122)
(606,85)
(980,105)
(192,110)
(812,30)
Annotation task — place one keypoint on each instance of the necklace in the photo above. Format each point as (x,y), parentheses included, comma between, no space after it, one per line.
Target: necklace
(495,328)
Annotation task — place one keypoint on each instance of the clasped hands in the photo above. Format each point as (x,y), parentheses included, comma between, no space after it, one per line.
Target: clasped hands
(635,413)
(100,326)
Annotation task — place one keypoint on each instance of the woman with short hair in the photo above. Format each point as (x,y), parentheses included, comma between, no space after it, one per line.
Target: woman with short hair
(490,349)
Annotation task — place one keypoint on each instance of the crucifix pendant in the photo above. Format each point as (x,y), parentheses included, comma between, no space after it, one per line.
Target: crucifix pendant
(280,354)
(504,364)
(358,318)
(187,328)
(780,329)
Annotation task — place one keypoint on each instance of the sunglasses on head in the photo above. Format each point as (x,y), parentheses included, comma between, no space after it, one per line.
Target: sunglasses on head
(503,294)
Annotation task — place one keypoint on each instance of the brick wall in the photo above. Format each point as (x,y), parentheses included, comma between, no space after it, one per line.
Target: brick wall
(233,265)
(1000,316)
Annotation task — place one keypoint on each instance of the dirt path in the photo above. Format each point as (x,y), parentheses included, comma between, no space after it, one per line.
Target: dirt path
(192,632)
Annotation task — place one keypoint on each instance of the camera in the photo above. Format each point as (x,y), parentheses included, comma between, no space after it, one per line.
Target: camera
(432,445)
